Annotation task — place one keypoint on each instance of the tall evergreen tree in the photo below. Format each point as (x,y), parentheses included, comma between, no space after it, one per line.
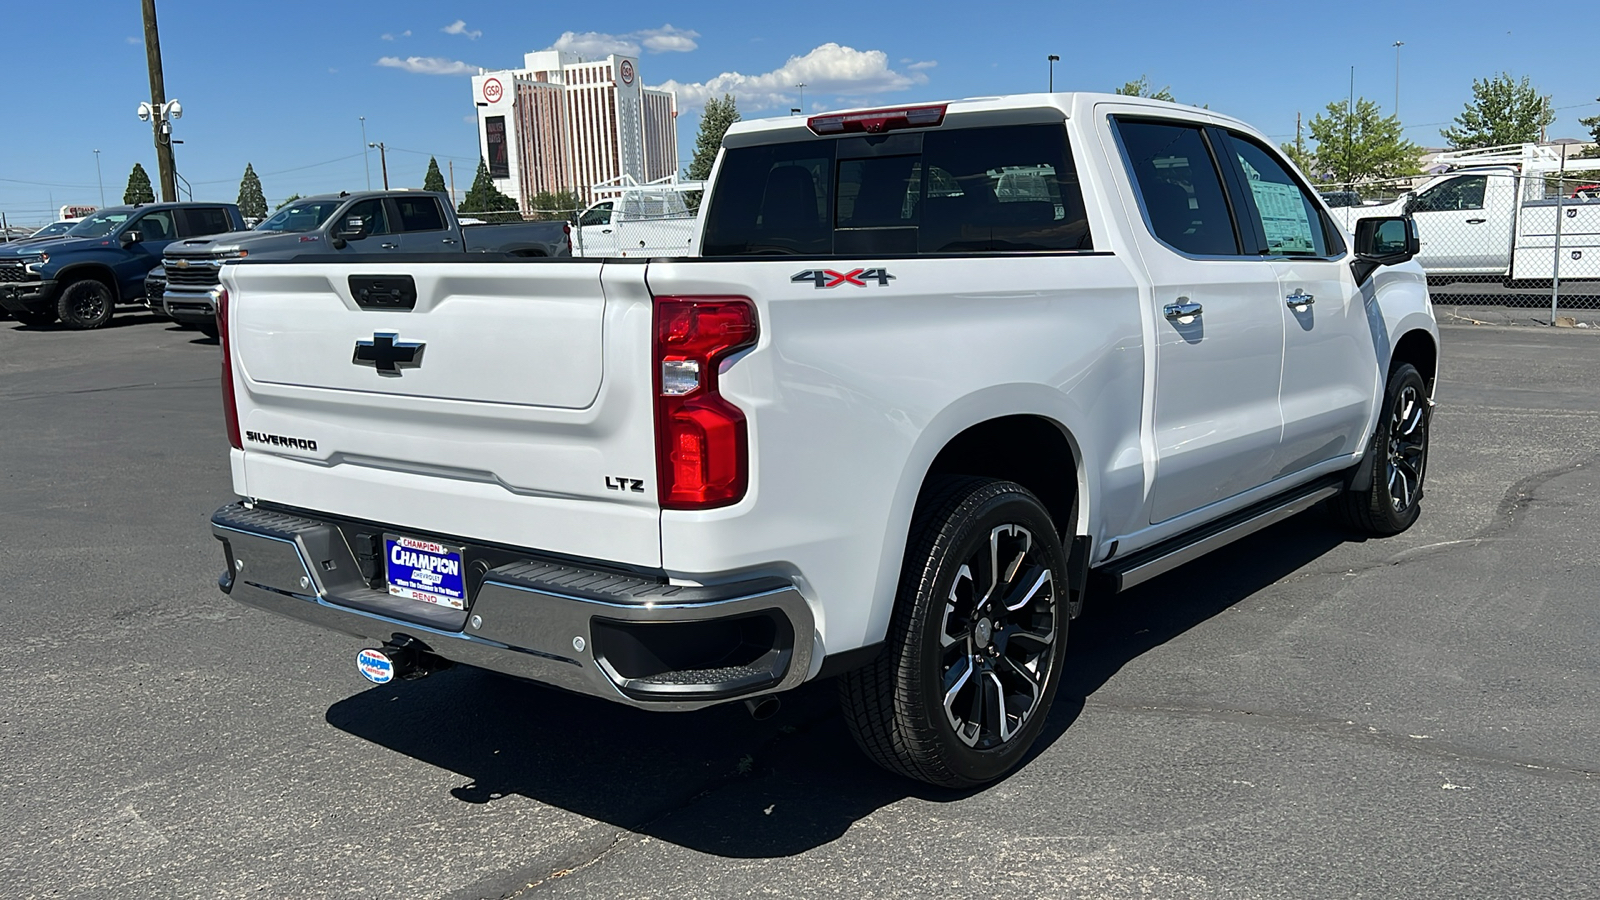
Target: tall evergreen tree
(1593,124)
(434,180)
(139,190)
(1501,111)
(714,122)
(252,203)
(1358,144)
(484,197)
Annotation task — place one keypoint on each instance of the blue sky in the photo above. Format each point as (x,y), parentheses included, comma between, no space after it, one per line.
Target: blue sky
(280,84)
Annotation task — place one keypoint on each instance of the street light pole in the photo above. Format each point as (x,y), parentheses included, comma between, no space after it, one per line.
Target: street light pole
(98,177)
(383,158)
(1397,46)
(366,158)
(1053,59)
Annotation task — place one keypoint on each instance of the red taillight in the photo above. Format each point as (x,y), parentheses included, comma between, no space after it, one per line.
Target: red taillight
(877,121)
(702,452)
(230,407)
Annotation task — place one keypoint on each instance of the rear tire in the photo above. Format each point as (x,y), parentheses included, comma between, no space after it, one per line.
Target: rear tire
(977,641)
(1392,502)
(85,304)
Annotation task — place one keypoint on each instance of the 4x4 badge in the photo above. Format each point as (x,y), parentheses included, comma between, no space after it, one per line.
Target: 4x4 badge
(388,354)
(828,278)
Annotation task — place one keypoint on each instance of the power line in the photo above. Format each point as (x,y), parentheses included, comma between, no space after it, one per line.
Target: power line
(326,162)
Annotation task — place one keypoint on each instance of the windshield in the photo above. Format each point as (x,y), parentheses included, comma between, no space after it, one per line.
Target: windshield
(53,229)
(99,225)
(300,216)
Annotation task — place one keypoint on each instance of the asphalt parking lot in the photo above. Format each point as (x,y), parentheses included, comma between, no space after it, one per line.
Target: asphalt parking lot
(1297,716)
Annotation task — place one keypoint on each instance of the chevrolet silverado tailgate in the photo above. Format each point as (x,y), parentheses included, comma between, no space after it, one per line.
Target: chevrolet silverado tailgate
(501,401)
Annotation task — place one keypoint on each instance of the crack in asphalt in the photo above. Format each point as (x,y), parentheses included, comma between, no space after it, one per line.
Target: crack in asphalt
(1509,516)
(1350,729)
(110,389)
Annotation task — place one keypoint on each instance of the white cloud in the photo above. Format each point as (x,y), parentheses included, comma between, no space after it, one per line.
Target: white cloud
(920,66)
(133,40)
(429,65)
(459,26)
(828,70)
(389,37)
(595,44)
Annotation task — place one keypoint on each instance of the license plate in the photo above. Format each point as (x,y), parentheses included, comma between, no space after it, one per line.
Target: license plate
(425,571)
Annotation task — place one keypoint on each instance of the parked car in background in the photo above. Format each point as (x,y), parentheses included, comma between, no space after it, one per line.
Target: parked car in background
(1340,199)
(80,277)
(638,221)
(53,230)
(388,222)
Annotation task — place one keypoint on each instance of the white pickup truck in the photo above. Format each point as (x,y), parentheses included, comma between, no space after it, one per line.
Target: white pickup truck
(926,374)
(1493,217)
(646,221)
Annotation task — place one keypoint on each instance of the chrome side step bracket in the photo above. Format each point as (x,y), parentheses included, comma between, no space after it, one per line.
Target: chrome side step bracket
(1137,568)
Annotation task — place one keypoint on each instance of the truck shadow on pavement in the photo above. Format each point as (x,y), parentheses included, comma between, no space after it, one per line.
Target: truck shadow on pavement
(718,782)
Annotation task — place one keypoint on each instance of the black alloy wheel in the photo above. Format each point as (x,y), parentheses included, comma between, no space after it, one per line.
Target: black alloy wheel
(1392,502)
(85,304)
(976,643)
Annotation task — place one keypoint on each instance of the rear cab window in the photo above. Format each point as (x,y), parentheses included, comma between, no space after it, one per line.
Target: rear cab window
(420,214)
(950,190)
(200,221)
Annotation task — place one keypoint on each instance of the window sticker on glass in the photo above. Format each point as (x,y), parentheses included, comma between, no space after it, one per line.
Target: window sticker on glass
(1283,216)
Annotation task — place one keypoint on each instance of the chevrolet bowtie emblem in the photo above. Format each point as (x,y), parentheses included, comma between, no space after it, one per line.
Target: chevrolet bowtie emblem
(388,354)
(182,264)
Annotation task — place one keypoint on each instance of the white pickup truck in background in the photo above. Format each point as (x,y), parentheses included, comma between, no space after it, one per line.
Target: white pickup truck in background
(1493,217)
(923,376)
(638,220)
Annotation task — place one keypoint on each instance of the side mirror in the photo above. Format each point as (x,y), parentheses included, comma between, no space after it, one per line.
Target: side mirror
(131,237)
(1411,205)
(353,229)
(1384,241)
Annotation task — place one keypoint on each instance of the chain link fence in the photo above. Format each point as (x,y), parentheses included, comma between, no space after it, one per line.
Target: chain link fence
(1495,237)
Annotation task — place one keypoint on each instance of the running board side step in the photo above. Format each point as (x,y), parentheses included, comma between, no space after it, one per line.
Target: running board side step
(1122,574)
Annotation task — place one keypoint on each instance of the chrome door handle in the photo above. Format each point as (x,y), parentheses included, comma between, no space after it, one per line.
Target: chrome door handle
(606,231)
(448,241)
(1183,309)
(1299,299)
(1476,221)
(388,246)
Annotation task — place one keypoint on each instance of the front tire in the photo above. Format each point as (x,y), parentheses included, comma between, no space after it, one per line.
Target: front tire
(977,640)
(1393,501)
(85,304)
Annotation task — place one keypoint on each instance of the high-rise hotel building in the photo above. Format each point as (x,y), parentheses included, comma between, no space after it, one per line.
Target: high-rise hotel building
(561,123)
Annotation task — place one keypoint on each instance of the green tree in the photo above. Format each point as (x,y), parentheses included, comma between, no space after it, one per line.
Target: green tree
(558,205)
(714,122)
(1359,144)
(1501,111)
(252,203)
(138,186)
(434,180)
(1141,88)
(1593,124)
(484,198)
(291,198)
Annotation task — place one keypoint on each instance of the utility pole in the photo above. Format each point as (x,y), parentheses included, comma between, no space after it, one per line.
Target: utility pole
(1299,145)
(1397,46)
(366,158)
(383,157)
(158,99)
(452,164)
(1349,115)
(1052,58)
(100,179)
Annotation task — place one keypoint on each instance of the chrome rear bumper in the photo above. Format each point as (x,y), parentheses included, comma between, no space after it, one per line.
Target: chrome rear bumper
(621,637)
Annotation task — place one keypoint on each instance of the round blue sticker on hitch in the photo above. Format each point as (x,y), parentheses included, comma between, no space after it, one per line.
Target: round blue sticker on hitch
(375,666)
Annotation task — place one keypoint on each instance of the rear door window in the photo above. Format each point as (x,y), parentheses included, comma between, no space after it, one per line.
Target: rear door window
(197,222)
(1179,187)
(975,190)
(419,214)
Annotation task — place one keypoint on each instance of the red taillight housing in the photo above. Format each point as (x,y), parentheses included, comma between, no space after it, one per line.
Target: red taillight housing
(230,406)
(877,121)
(702,450)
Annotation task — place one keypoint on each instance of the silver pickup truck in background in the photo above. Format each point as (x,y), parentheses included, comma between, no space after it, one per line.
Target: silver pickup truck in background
(399,222)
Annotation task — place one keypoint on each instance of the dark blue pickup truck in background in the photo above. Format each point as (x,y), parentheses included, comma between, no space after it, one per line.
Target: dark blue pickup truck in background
(81,276)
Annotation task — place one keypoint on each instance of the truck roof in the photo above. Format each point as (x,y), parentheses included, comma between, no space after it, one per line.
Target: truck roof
(795,127)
